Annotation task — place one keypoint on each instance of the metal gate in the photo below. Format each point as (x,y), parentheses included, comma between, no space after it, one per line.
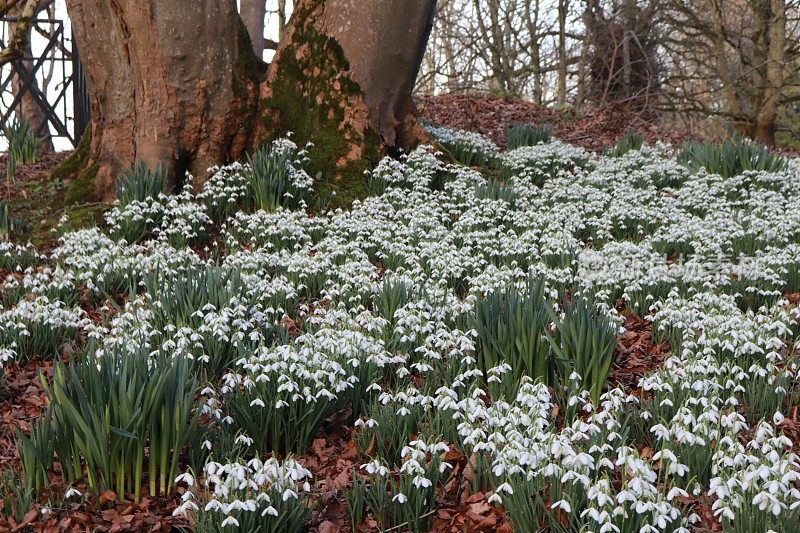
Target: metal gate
(65,104)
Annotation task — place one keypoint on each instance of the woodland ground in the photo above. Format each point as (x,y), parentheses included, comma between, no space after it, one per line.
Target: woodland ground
(334,454)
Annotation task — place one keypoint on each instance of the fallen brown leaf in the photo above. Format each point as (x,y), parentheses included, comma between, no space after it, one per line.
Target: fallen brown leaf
(28,519)
(328,527)
(479,508)
(107,497)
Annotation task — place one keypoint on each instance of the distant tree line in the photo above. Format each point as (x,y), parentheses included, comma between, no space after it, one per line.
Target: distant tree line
(729,65)
(735,61)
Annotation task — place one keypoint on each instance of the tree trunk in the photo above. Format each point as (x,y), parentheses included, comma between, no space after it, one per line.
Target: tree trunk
(342,79)
(538,92)
(29,109)
(724,71)
(170,84)
(776,43)
(531,12)
(253,13)
(583,62)
(561,91)
(492,38)
(446,23)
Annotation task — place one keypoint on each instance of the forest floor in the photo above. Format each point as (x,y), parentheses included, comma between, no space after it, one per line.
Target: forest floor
(331,458)
(38,200)
(492,116)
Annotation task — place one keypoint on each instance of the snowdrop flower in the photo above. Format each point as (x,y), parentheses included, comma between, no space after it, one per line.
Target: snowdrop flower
(562,504)
(230,521)
(702,259)
(375,467)
(186,477)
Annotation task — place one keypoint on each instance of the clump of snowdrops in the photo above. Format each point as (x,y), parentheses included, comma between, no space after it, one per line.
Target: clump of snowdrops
(449,311)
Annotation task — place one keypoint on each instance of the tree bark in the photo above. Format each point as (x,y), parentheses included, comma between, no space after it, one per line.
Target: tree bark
(724,70)
(583,62)
(169,84)
(776,43)
(492,36)
(531,12)
(177,86)
(253,13)
(342,79)
(561,90)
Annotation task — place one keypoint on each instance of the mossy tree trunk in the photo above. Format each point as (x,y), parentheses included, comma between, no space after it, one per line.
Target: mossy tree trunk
(342,79)
(164,84)
(177,84)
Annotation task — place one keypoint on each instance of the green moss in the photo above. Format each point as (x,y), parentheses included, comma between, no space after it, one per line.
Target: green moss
(79,198)
(42,199)
(76,161)
(84,216)
(309,97)
(82,189)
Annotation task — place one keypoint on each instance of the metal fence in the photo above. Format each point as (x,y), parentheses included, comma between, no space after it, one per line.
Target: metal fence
(51,77)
